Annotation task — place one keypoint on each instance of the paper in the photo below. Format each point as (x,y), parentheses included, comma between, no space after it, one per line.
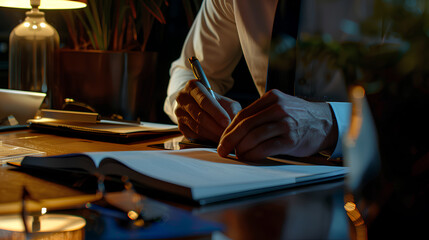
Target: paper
(106,126)
(15,153)
(207,174)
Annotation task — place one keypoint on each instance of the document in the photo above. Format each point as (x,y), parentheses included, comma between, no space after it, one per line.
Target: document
(198,174)
(89,125)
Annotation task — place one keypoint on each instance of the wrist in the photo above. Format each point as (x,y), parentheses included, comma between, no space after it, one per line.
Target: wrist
(331,131)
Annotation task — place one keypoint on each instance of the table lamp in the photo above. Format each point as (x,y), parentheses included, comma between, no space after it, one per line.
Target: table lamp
(32,45)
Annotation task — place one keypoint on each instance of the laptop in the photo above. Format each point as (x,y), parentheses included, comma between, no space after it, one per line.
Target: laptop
(22,105)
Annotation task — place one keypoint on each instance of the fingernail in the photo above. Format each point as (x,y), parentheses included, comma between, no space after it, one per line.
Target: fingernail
(220,150)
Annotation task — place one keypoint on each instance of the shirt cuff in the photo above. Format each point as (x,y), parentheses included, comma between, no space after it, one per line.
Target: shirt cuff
(342,112)
(170,106)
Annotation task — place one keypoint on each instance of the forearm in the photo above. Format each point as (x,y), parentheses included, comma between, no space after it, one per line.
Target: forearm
(214,41)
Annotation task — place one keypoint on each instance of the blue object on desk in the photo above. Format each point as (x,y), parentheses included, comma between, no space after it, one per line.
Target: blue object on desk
(174,223)
(14,127)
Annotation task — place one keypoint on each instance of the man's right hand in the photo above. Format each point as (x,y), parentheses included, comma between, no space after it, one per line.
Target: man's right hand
(200,116)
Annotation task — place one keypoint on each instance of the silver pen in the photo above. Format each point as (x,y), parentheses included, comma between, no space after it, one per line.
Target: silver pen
(199,74)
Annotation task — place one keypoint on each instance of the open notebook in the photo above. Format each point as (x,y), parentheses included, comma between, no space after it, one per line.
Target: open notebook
(198,174)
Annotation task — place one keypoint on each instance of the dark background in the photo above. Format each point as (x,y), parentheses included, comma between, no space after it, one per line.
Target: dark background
(167,40)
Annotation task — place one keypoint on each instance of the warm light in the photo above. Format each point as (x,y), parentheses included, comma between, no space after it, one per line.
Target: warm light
(26,24)
(133,215)
(44,4)
(49,223)
(34,26)
(357,220)
(353,213)
(43,25)
(350,206)
(139,223)
(357,95)
(358,92)
(44,210)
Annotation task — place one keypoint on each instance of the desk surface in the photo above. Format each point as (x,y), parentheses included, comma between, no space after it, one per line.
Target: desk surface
(311,212)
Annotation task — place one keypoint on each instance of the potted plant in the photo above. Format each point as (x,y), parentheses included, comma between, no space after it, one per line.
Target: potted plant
(107,64)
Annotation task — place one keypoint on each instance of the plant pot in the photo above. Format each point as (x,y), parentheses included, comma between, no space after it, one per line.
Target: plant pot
(113,83)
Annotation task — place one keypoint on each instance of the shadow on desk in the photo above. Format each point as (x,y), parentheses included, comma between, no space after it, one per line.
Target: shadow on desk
(112,138)
(314,211)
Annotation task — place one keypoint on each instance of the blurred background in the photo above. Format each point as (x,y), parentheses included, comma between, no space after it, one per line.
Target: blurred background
(165,39)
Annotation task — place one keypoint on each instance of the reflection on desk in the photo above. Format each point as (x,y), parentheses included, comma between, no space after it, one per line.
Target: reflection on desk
(315,211)
(311,212)
(48,226)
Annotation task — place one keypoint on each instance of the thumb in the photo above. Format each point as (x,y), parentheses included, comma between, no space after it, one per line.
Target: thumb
(231,107)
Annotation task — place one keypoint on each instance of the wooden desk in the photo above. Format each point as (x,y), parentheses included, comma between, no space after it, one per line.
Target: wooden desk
(311,212)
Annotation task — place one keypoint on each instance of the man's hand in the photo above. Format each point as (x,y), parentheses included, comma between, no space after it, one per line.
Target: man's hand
(278,123)
(200,116)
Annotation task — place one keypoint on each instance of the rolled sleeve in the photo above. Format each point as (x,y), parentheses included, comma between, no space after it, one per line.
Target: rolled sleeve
(213,39)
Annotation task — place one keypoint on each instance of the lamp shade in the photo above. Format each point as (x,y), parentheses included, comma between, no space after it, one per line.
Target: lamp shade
(44,4)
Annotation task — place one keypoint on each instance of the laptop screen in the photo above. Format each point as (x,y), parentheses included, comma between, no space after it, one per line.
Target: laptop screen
(23,105)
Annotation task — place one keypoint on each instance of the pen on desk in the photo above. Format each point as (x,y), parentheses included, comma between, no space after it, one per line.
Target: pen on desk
(199,74)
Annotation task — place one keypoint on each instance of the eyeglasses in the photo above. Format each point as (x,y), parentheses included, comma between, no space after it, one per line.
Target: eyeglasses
(131,208)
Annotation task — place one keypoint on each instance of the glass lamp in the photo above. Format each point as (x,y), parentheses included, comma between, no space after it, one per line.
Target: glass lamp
(32,45)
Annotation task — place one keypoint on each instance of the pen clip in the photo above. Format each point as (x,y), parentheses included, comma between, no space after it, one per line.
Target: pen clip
(194,70)
(199,74)
(196,73)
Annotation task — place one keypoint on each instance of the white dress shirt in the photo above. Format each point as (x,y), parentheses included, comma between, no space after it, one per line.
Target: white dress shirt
(225,30)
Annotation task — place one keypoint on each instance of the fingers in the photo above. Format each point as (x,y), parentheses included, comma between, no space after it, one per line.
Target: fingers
(190,128)
(279,130)
(259,105)
(204,100)
(189,108)
(274,124)
(270,147)
(278,123)
(231,107)
(266,101)
(199,115)
(238,130)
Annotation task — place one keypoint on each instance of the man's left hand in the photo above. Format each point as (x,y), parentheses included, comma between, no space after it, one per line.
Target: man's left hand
(278,123)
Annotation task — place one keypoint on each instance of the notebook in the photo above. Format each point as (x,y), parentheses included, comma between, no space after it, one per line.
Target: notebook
(90,125)
(22,105)
(196,174)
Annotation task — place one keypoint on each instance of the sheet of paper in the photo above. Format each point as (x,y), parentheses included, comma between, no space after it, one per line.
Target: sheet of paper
(206,173)
(108,126)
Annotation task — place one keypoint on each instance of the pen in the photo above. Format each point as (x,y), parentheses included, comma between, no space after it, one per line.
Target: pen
(199,74)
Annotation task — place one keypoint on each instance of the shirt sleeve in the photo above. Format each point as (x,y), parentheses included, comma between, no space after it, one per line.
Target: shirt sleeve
(342,112)
(214,40)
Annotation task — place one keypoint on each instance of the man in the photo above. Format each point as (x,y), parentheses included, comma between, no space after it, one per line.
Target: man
(277,123)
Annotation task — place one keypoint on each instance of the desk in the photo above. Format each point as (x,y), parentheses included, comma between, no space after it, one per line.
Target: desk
(311,212)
